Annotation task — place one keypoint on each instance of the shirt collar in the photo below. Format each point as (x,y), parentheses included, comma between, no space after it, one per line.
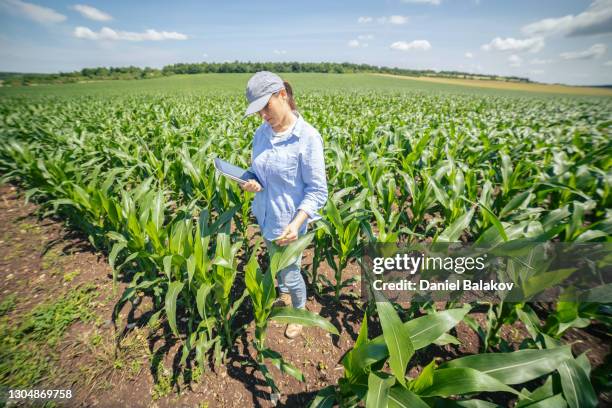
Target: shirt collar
(297,128)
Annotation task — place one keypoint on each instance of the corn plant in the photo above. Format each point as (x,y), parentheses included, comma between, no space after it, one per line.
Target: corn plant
(263,294)
(342,226)
(571,382)
(468,376)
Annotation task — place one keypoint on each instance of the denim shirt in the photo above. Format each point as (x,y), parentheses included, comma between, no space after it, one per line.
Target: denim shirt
(291,170)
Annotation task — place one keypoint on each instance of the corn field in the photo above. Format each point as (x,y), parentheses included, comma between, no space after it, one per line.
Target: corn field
(135,174)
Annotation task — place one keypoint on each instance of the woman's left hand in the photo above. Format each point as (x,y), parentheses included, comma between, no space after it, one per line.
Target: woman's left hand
(290,234)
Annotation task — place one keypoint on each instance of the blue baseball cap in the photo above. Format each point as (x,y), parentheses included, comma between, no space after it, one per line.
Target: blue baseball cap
(260,88)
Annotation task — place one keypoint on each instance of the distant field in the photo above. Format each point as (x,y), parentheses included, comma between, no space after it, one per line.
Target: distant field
(511,86)
(205,83)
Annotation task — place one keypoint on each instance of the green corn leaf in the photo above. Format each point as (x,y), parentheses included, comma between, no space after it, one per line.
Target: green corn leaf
(277,361)
(285,256)
(142,189)
(453,231)
(397,339)
(464,380)
(583,362)
(466,403)
(334,217)
(495,221)
(554,217)
(446,339)
(325,398)
(222,220)
(167,261)
(439,192)
(590,235)
(378,390)
(425,378)
(252,282)
(111,178)
(400,397)
(426,329)
(191,265)
(576,386)
(518,200)
(543,280)
(201,296)
(157,210)
(423,331)
(556,401)
(177,237)
(506,172)
(517,367)
(112,256)
(544,393)
(530,319)
(349,361)
(301,316)
(174,288)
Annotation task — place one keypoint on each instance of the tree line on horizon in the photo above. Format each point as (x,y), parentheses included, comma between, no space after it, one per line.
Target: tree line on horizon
(132,72)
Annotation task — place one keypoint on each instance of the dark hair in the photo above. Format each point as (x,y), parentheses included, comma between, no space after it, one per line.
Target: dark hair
(290,99)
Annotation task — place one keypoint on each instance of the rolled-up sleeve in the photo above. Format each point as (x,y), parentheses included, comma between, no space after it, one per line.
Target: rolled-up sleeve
(313,176)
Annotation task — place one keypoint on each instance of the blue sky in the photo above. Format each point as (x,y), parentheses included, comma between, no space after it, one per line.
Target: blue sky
(546,41)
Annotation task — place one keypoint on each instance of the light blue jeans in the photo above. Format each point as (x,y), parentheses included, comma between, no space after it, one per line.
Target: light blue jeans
(290,279)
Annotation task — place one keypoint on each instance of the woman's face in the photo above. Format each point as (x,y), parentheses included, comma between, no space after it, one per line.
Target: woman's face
(276,109)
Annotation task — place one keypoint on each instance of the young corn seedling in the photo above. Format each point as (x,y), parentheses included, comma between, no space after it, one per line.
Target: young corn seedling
(343,230)
(261,289)
(321,243)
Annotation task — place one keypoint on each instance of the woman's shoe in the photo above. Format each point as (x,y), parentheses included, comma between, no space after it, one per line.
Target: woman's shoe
(293,330)
(283,300)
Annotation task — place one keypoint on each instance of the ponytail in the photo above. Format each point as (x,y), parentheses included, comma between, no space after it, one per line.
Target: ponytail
(290,99)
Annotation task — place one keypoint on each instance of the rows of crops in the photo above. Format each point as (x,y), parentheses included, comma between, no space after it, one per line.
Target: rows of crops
(135,174)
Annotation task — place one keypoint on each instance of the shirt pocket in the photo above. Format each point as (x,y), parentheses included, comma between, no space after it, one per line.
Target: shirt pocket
(286,166)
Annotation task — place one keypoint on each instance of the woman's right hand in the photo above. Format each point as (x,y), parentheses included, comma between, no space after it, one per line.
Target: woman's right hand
(252,186)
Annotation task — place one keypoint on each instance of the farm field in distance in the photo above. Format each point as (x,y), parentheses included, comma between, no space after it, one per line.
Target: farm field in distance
(134,274)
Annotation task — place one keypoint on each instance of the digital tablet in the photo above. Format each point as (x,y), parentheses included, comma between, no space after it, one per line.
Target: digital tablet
(235,173)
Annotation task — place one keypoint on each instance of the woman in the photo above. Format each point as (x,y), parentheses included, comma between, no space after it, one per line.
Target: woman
(288,161)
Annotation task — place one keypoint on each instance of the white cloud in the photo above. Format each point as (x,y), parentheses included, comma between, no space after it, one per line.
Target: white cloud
(365,37)
(280,52)
(422,45)
(357,43)
(596,19)
(608,63)
(533,44)
(204,55)
(536,72)
(92,13)
(112,35)
(32,11)
(537,61)
(398,20)
(595,51)
(515,60)
(469,55)
(432,2)
(395,19)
